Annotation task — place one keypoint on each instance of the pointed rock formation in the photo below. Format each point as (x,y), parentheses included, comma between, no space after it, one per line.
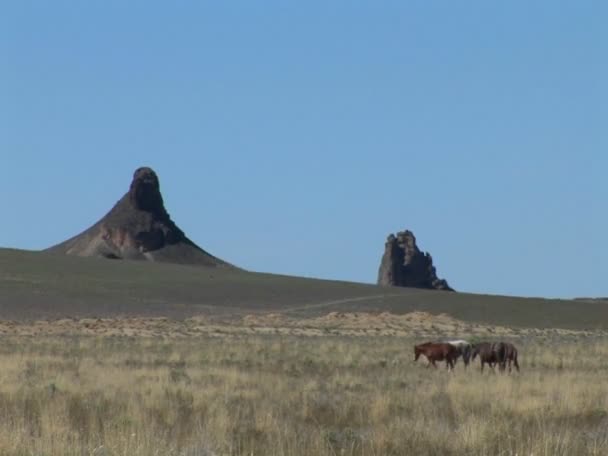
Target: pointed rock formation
(404,265)
(139,228)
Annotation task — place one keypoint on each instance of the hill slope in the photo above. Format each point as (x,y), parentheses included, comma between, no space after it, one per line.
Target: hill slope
(139,227)
(36,285)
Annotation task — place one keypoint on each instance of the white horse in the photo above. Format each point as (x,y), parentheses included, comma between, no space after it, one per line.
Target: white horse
(464,349)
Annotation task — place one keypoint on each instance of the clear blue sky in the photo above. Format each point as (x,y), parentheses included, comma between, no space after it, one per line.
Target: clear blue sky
(293,137)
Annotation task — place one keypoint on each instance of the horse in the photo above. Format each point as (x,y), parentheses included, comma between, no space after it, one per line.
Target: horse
(510,356)
(464,349)
(489,352)
(501,353)
(437,352)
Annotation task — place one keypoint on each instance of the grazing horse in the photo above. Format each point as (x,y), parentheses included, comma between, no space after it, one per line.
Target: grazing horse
(510,356)
(489,352)
(437,352)
(501,353)
(464,349)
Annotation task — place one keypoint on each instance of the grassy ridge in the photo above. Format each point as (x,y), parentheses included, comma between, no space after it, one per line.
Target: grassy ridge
(41,285)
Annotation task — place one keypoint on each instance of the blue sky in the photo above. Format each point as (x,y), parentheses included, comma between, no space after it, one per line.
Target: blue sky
(292,137)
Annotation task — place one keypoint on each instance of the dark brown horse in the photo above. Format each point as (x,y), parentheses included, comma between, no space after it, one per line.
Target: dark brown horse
(493,353)
(510,356)
(488,354)
(437,352)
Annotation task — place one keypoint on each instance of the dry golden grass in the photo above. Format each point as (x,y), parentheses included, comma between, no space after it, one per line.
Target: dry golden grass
(245,393)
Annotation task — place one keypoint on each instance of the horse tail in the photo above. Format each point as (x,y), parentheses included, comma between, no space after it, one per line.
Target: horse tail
(466,356)
(515,359)
(494,349)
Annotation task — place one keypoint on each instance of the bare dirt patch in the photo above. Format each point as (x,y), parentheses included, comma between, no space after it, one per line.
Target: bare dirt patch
(412,324)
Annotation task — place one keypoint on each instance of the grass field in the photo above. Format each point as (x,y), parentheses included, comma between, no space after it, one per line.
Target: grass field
(36,285)
(109,358)
(290,395)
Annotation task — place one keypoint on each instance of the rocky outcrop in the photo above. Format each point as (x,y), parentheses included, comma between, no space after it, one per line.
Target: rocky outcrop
(404,265)
(139,227)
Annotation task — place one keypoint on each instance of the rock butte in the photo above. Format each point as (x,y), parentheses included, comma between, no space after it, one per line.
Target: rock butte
(139,227)
(404,265)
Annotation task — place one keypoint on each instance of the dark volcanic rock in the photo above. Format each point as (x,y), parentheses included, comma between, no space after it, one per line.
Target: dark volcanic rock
(138,227)
(404,265)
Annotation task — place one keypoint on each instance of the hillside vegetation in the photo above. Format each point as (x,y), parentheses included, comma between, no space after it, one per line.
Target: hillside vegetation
(36,285)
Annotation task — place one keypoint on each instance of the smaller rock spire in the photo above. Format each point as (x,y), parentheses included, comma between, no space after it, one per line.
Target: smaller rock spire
(405,265)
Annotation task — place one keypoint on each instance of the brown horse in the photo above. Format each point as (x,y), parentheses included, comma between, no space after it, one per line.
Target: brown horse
(437,352)
(492,353)
(488,354)
(510,356)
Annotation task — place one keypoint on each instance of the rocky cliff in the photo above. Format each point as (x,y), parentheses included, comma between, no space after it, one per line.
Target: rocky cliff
(405,265)
(139,227)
